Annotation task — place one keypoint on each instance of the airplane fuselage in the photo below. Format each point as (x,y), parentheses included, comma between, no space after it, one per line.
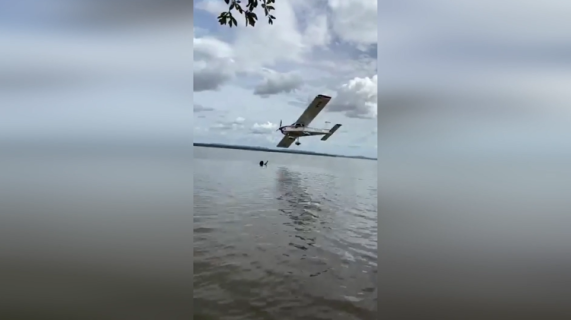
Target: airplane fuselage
(301,131)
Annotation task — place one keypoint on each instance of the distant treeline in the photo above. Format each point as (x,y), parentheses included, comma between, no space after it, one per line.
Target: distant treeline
(225,146)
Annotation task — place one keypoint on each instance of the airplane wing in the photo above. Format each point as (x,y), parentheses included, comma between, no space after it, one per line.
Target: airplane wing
(285,142)
(313,109)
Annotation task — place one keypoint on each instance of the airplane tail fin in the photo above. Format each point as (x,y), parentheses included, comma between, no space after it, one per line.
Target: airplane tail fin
(331,132)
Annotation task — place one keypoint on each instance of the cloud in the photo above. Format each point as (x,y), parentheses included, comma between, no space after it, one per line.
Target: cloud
(212,7)
(268,44)
(200,108)
(275,83)
(236,124)
(213,64)
(317,32)
(264,128)
(355,20)
(357,98)
(265,45)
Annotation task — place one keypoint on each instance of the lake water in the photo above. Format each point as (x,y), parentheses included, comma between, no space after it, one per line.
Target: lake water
(294,240)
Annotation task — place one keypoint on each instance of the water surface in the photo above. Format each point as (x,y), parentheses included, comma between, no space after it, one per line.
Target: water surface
(294,240)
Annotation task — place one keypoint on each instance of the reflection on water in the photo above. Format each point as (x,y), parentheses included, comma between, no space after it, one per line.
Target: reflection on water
(283,245)
(298,206)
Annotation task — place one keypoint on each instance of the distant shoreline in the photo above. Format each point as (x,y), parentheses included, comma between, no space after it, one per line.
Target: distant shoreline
(248,148)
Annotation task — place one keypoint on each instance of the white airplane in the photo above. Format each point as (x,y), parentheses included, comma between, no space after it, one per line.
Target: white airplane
(300,128)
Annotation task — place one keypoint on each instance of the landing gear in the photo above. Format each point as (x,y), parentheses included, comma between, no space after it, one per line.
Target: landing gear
(297,143)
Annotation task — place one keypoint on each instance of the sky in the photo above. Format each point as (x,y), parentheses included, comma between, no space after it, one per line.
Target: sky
(247,80)
(480,77)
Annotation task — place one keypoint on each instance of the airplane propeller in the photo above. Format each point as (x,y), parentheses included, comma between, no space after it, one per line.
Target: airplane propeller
(279,126)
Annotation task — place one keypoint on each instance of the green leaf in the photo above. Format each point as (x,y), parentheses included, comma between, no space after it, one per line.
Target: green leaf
(252,4)
(222,18)
(251,18)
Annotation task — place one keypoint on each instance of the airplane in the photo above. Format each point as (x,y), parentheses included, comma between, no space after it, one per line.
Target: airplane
(300,128)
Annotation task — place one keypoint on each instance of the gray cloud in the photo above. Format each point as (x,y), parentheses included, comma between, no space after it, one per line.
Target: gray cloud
(209,79)
(213,64)
(276,83)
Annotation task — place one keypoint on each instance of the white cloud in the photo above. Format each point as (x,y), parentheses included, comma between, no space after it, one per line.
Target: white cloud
(275,83)
(264,128)
(214,7)
(317,32)
(236,124)
(355,20)
(286,40)
(268,44)
(357,98)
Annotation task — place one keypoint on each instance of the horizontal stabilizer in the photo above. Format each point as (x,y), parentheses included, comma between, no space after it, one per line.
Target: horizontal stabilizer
(332,131)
